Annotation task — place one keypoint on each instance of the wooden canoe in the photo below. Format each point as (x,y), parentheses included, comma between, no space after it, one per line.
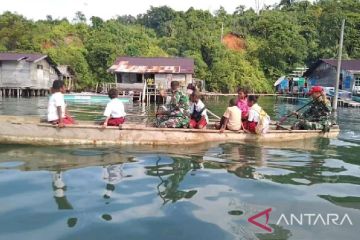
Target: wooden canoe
(29,130)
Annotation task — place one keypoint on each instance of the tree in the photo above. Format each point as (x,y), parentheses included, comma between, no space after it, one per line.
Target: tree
(79,17)
(276,40)
(158,18)
(96,22)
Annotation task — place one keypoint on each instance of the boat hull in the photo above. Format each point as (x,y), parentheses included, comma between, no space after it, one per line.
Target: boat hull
(26,130)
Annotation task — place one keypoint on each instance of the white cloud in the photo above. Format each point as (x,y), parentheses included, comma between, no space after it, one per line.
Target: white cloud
(38,9)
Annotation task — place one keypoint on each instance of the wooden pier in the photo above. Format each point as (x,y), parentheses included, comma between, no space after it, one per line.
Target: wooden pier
(348,103)
(23,92)
(291,99)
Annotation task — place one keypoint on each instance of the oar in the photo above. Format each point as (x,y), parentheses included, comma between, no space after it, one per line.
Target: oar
(283,119)
(213,114)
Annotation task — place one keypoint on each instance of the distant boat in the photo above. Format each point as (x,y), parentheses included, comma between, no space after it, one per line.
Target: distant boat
(356,98)
(94,98)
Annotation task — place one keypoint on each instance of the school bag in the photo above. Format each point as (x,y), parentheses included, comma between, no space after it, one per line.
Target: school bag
(264,122)
(197,115)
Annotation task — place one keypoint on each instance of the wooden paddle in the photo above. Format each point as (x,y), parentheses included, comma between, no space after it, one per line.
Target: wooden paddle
(283,119)
(213,114)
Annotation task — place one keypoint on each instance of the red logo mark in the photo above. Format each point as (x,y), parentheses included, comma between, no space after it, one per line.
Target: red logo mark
(262,226)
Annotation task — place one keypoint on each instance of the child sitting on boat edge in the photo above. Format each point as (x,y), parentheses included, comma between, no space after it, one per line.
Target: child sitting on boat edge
(231,120)
(56,112)
(198,116)
(258,121)
(114,111)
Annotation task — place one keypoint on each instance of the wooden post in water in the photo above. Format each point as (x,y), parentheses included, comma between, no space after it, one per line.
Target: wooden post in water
(335,99)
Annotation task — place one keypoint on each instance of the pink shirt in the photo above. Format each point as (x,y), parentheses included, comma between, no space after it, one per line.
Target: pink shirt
(243,105)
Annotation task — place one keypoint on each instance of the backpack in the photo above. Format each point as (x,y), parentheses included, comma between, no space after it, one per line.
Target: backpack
(264,122)
(197,115)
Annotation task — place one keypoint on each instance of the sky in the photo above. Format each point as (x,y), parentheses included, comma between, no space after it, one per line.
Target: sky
(39,9)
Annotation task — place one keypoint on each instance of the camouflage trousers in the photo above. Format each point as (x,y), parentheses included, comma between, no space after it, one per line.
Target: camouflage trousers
(171,119)
(172,122)
(307,125)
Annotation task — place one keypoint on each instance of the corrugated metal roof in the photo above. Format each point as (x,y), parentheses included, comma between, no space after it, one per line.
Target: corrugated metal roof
(153,65)
(349,65)
(30,57)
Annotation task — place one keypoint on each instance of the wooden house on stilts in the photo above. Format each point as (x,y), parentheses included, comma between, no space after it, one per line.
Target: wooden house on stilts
(26,74)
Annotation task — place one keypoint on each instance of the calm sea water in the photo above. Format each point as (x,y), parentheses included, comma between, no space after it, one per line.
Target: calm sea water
(198,192)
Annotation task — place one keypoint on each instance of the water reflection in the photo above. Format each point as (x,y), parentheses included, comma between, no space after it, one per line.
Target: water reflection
(170,176)
(59,192)
(203,187)
(112,175)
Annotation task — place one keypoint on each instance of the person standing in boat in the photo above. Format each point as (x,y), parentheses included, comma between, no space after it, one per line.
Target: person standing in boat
(199,118)
(176,113)
(115,110)
(56,112)
(231,120)
(318,115)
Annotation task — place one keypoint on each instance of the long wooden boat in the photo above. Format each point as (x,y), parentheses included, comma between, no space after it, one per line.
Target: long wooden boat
(29,130)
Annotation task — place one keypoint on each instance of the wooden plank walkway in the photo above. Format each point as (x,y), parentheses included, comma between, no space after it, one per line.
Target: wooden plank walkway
(348,103)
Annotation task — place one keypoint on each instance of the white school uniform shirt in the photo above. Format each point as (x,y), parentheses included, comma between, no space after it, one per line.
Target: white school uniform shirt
(55,100)
(115,109)
(254,113)
(198,106)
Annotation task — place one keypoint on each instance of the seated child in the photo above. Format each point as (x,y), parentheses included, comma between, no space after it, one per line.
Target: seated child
(242,103)
(231,119)
(56,107)
(114,111)
(198,116)
(254,114)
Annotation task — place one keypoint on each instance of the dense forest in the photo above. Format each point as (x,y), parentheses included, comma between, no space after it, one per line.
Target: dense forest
(268,43)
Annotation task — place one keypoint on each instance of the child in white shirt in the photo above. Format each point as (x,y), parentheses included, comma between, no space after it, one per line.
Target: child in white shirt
(114,111)
(199,118)
(56,113)
(255,115)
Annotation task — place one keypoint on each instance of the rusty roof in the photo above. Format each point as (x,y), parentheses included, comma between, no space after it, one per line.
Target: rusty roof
(153,65)
(349,65)
(30,57)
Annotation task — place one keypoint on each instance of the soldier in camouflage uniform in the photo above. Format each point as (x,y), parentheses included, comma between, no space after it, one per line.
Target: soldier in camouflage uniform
(318,115)
(176,112)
